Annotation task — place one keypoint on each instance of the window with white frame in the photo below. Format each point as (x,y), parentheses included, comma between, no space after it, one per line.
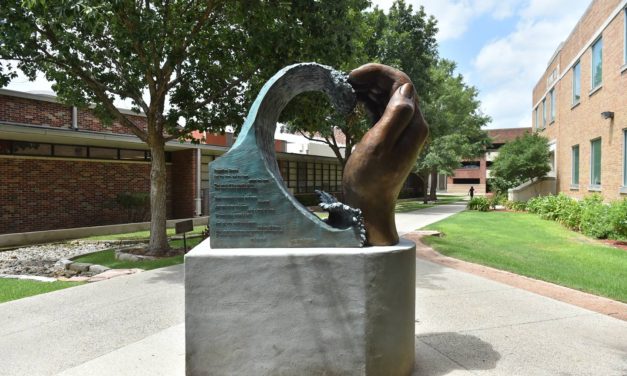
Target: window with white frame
(552,96)
(576,83)
(595,162)
(597,63)
(575,165)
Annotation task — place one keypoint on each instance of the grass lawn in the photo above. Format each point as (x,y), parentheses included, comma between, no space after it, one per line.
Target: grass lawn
(139,235)
(11,289)
(524,244)
(412,204)
(107,258)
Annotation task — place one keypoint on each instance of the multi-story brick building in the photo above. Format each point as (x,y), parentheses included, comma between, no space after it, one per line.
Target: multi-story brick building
(580,104)
(60,167)
(476,173)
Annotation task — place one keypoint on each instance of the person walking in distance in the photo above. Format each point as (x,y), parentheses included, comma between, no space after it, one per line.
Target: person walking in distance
(471,192)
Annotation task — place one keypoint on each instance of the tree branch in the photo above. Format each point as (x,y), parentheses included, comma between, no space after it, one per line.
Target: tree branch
(99,89)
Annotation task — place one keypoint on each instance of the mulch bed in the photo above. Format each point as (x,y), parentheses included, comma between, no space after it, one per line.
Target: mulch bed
(620,244)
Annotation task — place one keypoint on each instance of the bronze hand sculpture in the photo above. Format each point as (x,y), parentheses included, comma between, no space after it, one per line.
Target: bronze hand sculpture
(380,163)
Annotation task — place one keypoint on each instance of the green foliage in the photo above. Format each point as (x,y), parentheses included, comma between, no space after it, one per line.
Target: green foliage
(527,245)
(479,203)
(516,205)
(136,204)
(618,218)
(591,215)
(595,220)
(197,63)
(524,159)
(452,110)
(403,38)
(497,199)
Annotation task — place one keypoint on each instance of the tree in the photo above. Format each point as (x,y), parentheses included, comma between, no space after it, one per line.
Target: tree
(403,39)
(455,122)
(524,159)
(185,64)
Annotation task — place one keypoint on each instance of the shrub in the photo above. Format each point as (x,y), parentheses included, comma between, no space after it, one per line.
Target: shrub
(497,199)
(516,205)
(479,203)
(137,205)
(618,219)
(595,218)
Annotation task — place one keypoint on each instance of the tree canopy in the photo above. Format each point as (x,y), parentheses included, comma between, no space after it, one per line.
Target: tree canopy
(403,38)
(185,64)
(524,159)
(455,122)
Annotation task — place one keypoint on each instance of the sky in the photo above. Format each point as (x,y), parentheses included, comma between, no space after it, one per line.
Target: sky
(501,47)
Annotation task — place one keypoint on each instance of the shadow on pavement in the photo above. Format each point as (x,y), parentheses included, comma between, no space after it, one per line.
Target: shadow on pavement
(172,275)
(463,352)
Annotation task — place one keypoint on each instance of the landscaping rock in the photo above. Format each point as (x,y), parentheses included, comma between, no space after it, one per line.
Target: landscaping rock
(428,233)
(121,255)
(98,269)
(47,259)
(79,266)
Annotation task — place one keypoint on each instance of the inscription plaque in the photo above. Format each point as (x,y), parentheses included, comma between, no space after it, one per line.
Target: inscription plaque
(249,204)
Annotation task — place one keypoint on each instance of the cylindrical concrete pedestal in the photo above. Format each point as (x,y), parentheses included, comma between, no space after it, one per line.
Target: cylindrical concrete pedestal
(300,311)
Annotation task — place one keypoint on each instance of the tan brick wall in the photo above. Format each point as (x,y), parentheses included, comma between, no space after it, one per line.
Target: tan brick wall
(579,124)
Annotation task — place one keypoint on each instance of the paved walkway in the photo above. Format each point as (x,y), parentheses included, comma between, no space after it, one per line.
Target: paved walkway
(465,325)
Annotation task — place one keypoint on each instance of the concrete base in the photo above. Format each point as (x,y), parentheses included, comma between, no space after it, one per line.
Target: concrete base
(300,311)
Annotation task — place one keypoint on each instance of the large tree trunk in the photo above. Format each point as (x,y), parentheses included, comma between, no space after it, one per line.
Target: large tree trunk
(434,185)
(158,245)
(425,188)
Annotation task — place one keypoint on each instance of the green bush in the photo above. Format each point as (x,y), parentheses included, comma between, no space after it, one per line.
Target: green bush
(516,205)
(137,205)
(591,215)
(618,219)
(595,219)
(479,203)
(497,199)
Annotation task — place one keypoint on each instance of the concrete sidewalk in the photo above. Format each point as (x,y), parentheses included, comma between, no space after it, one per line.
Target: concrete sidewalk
(465,325)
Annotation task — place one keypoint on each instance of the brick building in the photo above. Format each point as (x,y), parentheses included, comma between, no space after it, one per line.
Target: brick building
(60,167)
(580,104)
(476,173)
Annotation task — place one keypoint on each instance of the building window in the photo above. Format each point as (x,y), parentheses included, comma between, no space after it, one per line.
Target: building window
(471,165)
(133,155)
(466,181)
(597,63)
(552,96)
(595,162)
(575,166)
(544,113)
(71,151)
(31,148)
(103,153)
(576,83)
(536,118)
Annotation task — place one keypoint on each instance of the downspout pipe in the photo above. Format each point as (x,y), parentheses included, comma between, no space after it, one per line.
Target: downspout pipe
(198,183)
(74,118)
